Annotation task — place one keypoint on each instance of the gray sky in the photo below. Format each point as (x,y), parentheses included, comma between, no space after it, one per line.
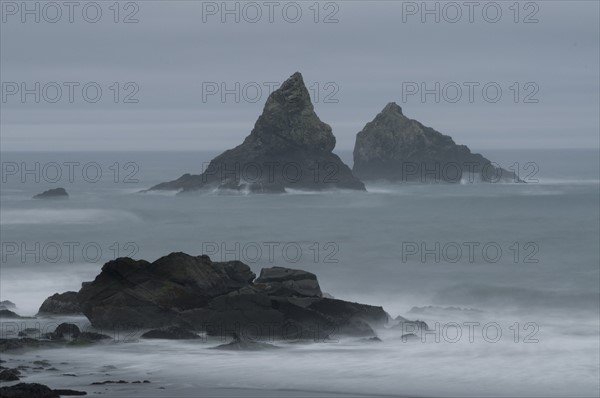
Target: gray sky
(374,54)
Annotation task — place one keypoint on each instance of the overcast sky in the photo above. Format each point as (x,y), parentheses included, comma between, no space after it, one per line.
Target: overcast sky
(180,52)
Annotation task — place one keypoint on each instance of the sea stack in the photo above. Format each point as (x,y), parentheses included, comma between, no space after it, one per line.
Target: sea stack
(289,148)
(395,148)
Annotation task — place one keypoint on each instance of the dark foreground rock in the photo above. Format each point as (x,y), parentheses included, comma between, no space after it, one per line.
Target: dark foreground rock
(34,390)
(289,147)
(131,294)
(9,375)
(221,298)
(394,147)
(64,331)
(61,304)
(56,193)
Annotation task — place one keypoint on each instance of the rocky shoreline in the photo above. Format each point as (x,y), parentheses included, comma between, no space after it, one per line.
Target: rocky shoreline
(192,298)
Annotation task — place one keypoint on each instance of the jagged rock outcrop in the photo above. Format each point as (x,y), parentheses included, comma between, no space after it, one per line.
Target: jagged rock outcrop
(289,147)
(394,147)
(221,299)
(56,193)
(129,293)
(65,303)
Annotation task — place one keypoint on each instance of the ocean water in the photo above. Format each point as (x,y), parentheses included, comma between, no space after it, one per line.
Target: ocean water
(511,272)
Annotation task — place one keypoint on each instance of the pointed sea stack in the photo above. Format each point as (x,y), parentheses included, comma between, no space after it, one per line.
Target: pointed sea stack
(289,148)
(395,148)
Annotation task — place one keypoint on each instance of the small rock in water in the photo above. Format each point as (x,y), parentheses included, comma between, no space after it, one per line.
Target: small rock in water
(99,383)
(42,363)
(65,330)
(30,332)
(56,193)
(62,392)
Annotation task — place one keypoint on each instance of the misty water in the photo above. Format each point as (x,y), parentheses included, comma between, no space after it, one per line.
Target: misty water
(518,262)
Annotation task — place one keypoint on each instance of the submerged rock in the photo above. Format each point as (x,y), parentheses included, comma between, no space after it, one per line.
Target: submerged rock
(91,337)
(30,332)
(61,304)
(69,393)
(171,333)
(394,147)
(23,344)
(441,311)
(56,193)
(239,344)
(100,383)
(289,147)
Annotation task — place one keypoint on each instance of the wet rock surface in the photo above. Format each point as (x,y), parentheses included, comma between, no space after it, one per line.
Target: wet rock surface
(198,294)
